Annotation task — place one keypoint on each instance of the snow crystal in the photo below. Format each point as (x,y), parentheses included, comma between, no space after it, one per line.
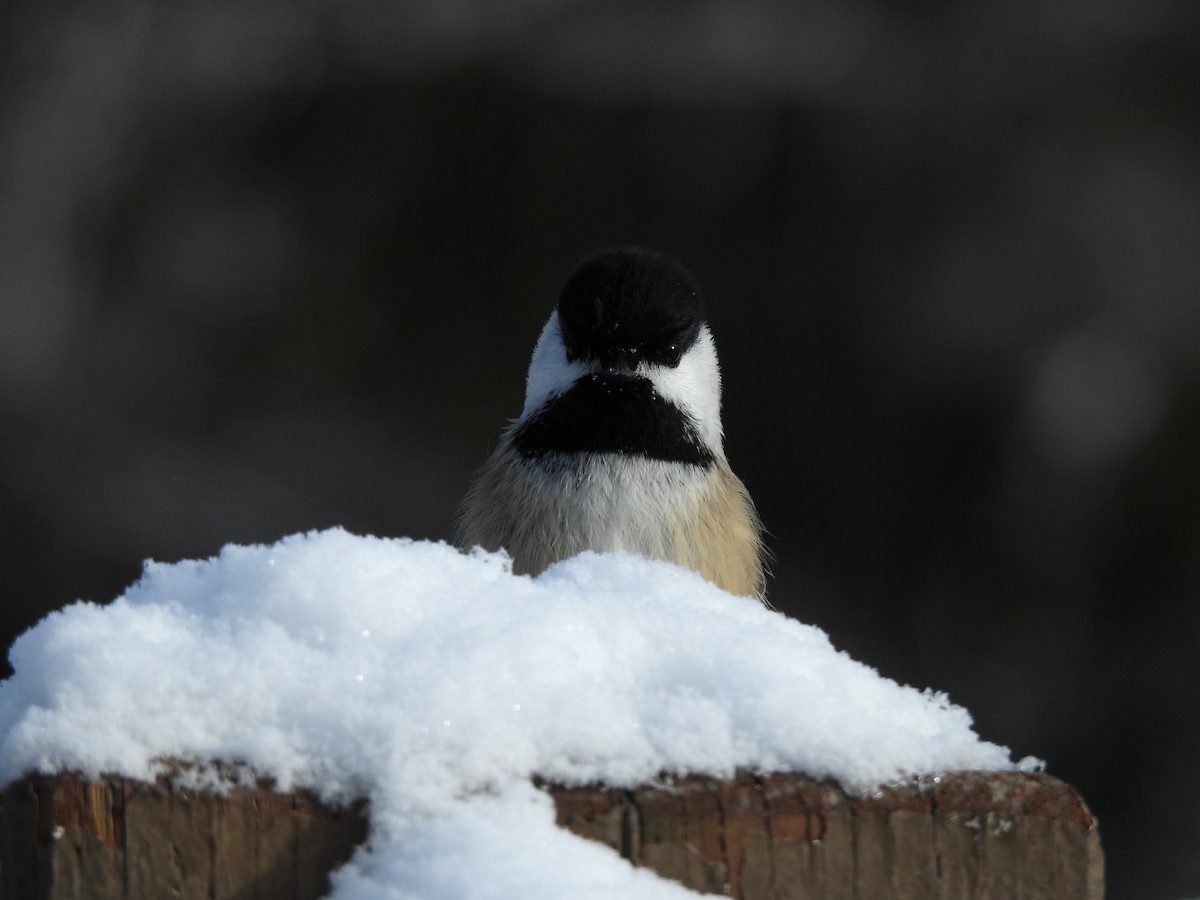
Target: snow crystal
(437,683)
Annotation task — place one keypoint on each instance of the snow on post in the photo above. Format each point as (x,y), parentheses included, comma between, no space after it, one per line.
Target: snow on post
(443,690)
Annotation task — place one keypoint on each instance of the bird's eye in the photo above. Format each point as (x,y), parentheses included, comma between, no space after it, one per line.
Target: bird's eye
(572,348)
(671,354)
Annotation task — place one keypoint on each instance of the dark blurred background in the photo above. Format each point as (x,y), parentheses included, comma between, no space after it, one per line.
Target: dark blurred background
(267,267)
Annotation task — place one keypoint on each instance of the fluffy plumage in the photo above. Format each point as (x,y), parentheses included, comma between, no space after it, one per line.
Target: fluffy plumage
(619,444)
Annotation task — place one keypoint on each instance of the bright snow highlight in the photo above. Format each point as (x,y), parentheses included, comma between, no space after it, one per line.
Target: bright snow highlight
(437,683)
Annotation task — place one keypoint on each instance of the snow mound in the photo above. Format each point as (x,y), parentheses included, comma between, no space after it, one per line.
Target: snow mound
(436,683)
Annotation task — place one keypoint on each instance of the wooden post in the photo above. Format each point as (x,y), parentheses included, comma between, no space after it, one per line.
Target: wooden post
(117,839)
(984,835)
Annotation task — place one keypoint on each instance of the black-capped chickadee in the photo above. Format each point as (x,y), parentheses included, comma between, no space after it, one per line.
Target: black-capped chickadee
(619,445)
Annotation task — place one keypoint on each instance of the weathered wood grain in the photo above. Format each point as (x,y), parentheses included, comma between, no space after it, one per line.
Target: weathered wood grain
(982,835)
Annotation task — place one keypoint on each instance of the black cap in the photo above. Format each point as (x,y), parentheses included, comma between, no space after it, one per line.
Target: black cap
(628,304)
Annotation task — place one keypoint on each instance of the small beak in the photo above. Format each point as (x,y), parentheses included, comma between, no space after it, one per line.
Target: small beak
(618,366)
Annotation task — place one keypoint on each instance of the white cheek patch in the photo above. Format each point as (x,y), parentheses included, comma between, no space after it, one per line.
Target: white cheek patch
(695,387)
(550,373)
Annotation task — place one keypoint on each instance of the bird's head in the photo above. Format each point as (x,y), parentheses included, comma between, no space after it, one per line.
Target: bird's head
(630,320)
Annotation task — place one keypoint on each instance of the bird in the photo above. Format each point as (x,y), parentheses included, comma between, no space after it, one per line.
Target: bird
(619,445)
